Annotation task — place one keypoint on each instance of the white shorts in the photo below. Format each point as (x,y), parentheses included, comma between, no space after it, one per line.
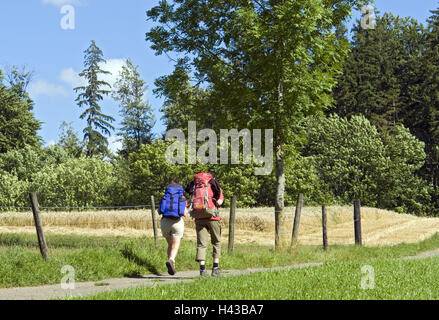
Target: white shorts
(172,227)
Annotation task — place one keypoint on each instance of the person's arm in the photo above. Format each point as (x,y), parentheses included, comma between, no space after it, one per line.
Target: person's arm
(160,202)
(189,188)
(217,192)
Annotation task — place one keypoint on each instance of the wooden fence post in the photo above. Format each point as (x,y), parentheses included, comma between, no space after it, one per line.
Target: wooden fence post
(232,224)
(38,225)
(154,221)
(357,222)
(295,234)
(324,226)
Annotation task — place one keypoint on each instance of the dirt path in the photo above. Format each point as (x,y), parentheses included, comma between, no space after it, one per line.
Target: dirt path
(423,255)
(89,288)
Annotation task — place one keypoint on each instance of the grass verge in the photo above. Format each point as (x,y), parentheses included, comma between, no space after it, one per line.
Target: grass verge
(394,280)
(98,258)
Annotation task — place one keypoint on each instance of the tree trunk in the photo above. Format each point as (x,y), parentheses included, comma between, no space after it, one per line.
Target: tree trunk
(280,190)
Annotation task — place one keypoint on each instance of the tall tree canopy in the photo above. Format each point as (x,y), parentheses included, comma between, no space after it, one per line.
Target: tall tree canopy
(425,116)
(377,69)
(18,126)
(267,63)
(98,124)
(137,116)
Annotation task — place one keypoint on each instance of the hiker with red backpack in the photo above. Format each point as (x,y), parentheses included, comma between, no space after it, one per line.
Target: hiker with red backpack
(206,196)
(173,206)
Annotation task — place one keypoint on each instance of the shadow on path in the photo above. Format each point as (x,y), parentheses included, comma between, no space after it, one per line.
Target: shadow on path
(128,254)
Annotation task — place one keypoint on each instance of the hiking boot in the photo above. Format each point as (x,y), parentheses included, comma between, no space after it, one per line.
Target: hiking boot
(203,273)
(216,272)
(171,267)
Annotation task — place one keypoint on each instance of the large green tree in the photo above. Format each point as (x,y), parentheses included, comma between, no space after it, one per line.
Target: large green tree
(377,70)
(18,126)
(267,63)
(137,116)
(182,100)
(98,124)
(425,114)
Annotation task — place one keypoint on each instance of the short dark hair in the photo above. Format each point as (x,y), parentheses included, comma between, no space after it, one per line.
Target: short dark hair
(173,181)
(212,173)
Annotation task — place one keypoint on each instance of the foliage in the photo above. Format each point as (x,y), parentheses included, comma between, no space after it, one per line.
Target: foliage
(13,192)
(25,162)
(98,124)
(69,140)
(357,162)
(75,183)
(376,69)
(266,64)
(18,127)
(137,116)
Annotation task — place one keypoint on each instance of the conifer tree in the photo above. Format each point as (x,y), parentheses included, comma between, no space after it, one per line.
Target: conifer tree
(373,75)
(98,123)
(137,116)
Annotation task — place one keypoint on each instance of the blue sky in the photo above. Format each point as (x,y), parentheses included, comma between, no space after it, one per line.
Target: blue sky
(31,34)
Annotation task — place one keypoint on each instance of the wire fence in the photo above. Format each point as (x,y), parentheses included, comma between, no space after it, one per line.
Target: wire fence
(90,208)
(314,228)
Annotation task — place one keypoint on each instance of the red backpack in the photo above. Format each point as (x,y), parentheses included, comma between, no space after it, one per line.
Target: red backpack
(202,204)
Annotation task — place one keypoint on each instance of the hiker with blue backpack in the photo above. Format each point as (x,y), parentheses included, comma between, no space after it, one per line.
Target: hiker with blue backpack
(206,196)
(173,206)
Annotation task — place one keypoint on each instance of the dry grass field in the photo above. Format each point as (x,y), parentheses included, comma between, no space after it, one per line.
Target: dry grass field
(380,227)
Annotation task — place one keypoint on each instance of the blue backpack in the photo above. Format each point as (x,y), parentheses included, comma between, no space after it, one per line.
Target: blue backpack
(173,202)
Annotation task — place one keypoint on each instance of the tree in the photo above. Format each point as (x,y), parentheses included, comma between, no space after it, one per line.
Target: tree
(426,121)
(137,117)
(267,63)
(356,161)
(19,79)
(18,126)
(184,102)
(78,182)
(98,124)
(376,69)
(69,140)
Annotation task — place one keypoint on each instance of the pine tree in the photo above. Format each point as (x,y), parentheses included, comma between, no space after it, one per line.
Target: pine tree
(98,124)
(427,118)
(372,79)
(137,116)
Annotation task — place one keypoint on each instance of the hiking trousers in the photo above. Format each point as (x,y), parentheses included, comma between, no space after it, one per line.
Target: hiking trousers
(206,228)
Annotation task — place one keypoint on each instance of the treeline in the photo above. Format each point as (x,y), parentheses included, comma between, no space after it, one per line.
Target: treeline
(340,160)
(376,141)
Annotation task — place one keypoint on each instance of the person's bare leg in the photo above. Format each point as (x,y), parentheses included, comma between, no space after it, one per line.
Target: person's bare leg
(169,240)
(173,246)
(173,249)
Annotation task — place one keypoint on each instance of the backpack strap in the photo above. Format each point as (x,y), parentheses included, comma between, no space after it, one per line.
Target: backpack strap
(206,194)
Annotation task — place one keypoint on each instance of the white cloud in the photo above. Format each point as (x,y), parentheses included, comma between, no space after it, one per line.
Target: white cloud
(60,3)
(115,143)
(115,67)
(72,78)
(42,87)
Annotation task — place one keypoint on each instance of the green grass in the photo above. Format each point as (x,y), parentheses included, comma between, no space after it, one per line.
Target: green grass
(97,258)
(394,279)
